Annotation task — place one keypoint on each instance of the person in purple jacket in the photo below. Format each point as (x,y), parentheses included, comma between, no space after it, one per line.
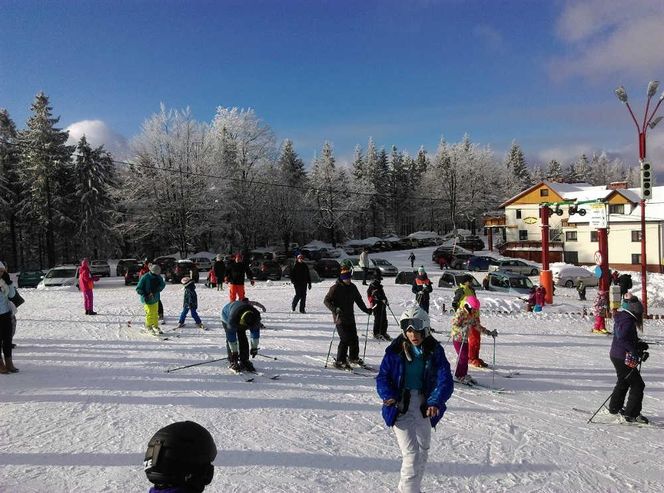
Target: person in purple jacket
(626,353)
(179,458)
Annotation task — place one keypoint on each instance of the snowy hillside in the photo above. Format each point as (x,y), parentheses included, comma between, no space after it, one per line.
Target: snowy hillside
(92,390)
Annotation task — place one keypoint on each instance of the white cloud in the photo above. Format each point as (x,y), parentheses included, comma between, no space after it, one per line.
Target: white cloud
(99,133)
(610,37)
(565,154)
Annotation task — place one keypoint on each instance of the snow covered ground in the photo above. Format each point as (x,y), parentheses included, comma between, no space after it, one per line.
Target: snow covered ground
(93,390)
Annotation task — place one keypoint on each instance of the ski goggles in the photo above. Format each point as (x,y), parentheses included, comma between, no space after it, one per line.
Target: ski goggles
(414,324)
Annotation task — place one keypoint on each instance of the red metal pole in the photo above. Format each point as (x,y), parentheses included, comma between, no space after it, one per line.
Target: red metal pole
(644,261)
(603,240)
(546,279)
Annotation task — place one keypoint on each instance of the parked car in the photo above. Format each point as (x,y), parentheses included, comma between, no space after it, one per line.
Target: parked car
(405,277)
(386,269)
(515,265)
(122,263)
(569,276)
(480,263)
(181,268)
(509,282)
(471,242)
(131,273)
(358,273)
(327,267)
(100,268)
(454,278)
(263,270)
(64,275)
(202,263)
(460,260)
(446,251)
(30,278)
(166,263)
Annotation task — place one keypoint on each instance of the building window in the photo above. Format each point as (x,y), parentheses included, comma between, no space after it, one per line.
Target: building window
(594,237)
(571,257)
(544,192)
(570,236)
(636,236)
(636,259)
(523,234)
(518,213)
(616,208)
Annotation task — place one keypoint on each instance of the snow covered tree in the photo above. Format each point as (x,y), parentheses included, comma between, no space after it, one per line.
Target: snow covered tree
(255,149)
(554,172)
(9,186)
(167,195)
(329,194)
(515,162)
(583,170)
(45,169)
(94,180)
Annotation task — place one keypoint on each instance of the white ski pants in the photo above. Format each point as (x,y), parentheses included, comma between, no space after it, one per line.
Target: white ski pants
(413,434)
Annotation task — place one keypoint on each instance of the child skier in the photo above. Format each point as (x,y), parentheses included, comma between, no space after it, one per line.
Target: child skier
(378,303)
(466,320)
(190,302)
(422,287)
(414,382)
(600,305)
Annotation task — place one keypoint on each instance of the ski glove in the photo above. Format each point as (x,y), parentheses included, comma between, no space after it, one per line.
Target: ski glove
(253,282)
(338,312)
(493,333)
(253,351)
(309,285)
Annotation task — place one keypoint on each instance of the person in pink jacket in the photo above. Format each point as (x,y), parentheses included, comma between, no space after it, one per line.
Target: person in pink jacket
(86,283)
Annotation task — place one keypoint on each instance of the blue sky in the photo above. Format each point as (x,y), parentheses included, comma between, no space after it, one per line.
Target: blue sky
(403,72)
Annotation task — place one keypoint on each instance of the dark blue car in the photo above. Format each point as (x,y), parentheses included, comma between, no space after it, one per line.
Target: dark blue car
(480,263)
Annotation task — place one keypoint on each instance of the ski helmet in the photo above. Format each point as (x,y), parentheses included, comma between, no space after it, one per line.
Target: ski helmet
(415,318)
(249,318)
(472,302)
(181,454)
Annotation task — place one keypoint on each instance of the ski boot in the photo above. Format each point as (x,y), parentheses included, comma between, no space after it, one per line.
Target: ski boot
(247,366)
(180,325)
(201,326)
(234,363)
(342,365)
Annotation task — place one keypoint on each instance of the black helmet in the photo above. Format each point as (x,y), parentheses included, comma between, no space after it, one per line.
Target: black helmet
(181,454)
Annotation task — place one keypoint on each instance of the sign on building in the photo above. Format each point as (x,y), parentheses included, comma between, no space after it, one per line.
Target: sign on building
(598,217)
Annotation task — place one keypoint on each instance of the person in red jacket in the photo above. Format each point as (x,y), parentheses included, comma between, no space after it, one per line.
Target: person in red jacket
(86,283)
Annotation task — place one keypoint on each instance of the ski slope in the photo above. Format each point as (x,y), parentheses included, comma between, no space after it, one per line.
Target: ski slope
(92,390)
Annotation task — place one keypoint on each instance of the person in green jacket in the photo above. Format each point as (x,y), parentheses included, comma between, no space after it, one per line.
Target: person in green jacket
(149,287)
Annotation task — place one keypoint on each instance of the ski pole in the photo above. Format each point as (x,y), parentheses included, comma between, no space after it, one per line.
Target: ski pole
(195,364)
(395,317)
(266,356)
(330,349)
(611,395)
(366,336)
(493,376)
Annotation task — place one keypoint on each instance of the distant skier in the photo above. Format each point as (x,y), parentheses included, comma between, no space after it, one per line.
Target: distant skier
(86,283)
(301,279)
(378,303)
(581,289)
(340,300)
(422,287)
(235,275)
(411,257)
(600,307)
(219,270)
(190,302)
(414,383)
(364,264)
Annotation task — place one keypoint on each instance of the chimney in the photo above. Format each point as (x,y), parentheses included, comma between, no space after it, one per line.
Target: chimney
(617,185)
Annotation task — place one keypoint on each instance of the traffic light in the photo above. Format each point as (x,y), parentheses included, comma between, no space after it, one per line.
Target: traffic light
(646,180)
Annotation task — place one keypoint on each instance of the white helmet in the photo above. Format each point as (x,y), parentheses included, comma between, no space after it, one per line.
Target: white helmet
(417,319)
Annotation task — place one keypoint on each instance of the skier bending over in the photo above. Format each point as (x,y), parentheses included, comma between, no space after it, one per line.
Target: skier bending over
(414,382)
(340,300)
(237,317)
(465,320)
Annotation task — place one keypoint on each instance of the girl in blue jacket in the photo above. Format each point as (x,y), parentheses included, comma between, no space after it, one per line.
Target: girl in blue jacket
(414,382)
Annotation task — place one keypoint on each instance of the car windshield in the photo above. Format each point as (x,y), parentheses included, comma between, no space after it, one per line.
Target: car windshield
(520,282)
(57,273)
(380,261)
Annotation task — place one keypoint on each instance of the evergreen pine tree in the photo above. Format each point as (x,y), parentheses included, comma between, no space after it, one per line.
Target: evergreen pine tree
(554,172)
(516,163)
(290,198)
(45,169)
(9,186)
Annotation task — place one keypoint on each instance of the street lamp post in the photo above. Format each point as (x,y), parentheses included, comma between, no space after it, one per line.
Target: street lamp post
(648,121)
